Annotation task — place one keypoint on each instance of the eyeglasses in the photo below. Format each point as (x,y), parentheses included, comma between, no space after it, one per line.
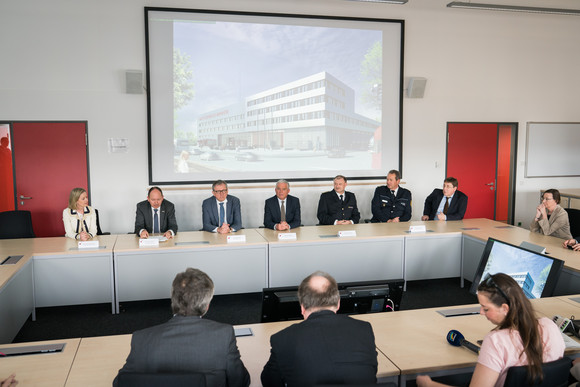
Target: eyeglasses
(489,282)
(221,191)
(547,199)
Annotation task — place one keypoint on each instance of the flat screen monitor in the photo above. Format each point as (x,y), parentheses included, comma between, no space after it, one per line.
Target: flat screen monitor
(281,303)
(536,273)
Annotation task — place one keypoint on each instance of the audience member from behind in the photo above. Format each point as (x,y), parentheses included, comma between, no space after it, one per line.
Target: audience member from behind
(188,343)
(222,212)
(520,338)
(9,381)
(391,203)
(282,211)
(80,220)
(573,243)
(155,216)
(338,206)
(445,204)
(326,348)
(551,219)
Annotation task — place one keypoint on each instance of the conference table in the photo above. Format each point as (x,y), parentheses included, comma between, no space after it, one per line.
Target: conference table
(146,273)
(409,343)
(56,272)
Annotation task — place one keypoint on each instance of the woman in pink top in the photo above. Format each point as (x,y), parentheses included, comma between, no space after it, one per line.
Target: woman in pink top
(520,338)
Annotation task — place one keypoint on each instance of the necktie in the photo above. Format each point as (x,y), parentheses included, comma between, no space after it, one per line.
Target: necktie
(282,212)
(446,206)
(222,214)
(341,200)
(393,192)
(156,222)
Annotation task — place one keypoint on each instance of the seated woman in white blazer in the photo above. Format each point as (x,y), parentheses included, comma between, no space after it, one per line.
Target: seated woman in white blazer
(80,220)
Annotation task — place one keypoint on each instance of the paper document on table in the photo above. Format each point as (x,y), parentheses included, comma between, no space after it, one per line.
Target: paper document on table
(160,237)
(570,342)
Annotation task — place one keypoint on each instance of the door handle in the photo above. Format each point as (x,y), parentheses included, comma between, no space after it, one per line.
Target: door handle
(25,197)
(491,185)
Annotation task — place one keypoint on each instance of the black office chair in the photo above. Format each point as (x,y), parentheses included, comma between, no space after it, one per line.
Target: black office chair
(99,231)
(140,379)
(574,217)
(16,224)
(555,374)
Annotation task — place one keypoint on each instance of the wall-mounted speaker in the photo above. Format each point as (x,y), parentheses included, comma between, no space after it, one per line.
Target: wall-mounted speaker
(134,81)
(416,87)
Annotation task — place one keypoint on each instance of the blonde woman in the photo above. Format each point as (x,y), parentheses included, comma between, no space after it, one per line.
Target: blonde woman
(80,220)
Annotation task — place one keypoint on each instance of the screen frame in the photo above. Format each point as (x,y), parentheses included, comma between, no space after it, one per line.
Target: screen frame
(551,280)
(277,15)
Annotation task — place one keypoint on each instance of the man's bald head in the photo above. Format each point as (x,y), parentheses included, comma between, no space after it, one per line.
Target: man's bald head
(319,291)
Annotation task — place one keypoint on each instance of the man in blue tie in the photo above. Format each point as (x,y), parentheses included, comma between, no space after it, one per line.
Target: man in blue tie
(155,216)
(221,213)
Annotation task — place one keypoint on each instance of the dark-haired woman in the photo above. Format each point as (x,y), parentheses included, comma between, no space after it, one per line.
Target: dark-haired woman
(520,338)
(551,219)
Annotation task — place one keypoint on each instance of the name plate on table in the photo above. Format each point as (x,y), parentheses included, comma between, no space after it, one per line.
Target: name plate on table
(419,228)
(287,236)
(347,233)
(88,244)
(152,242)
(236,238)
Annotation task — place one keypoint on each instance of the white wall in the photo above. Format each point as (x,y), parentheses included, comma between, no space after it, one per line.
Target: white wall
(65,60)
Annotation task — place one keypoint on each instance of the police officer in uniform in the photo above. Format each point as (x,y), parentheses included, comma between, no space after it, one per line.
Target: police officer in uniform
(338,206)
(391,203)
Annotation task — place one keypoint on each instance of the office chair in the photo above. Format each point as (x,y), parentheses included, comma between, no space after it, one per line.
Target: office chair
(99,231)
(139,379)
(574,218)
(16,224)
(555,374)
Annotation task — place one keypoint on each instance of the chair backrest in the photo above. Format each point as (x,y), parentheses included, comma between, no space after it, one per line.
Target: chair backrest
(555,374)
(139,379)
(16,224)
(574,217)
(99,231)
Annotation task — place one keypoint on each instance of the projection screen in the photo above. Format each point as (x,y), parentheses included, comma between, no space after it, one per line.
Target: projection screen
(249,97)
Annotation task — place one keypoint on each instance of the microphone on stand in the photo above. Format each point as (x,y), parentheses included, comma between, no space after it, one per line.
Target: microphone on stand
(456,339)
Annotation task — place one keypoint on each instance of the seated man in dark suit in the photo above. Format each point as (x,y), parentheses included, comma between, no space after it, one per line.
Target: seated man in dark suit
(445,204)
(222,212)
(155,215)
(282,212)
(391,203)
(338,206)
(188,343)
(573,244)
(326,348)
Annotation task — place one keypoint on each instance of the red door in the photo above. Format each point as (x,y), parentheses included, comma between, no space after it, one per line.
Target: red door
(472,158)
(50,158)
(6,171)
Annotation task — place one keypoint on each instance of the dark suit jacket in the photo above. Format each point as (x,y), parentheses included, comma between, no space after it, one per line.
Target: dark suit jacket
(187,344)
(324,349)
(330,208)
(144,217)
(385,208)
(211,216)
(456,209)
(272,212)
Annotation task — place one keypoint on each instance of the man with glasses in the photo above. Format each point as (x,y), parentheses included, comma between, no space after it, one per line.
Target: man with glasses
(445,204)
(221,213)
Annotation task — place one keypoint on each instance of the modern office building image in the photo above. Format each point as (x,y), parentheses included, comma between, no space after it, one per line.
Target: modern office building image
(312,113)
(526,282)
